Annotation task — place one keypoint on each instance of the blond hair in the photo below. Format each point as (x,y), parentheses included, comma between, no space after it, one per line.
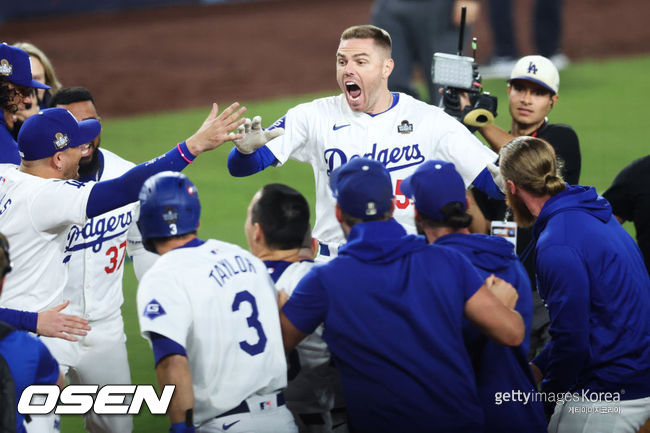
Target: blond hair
(367,31)
(530,163)
(50,76)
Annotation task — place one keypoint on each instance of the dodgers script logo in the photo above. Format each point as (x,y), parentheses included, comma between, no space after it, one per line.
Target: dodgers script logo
(97,231)
(393,159)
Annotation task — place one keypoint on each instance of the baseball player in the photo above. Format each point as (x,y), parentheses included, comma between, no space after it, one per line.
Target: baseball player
(277,230)
(210,312)
(39,204)
(96,252)
(365,120)
(16,84)
(592,277)
(441,214)
(392,308)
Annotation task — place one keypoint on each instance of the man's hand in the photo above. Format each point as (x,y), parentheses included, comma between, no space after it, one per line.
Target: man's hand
(53,323)
(497,176)
(502,290)
(216,128)
(253,136)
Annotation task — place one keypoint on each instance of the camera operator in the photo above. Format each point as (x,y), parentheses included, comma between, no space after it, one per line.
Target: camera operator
(532,93)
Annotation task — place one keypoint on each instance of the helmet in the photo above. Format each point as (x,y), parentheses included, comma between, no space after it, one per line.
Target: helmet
(169,206)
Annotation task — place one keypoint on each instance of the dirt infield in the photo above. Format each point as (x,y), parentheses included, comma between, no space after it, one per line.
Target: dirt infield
(178,57)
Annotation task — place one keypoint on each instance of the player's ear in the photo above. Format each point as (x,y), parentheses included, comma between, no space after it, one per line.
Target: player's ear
(258,234)
(511,186)
(389,65)
(554,99)
(57,161)
(339,213)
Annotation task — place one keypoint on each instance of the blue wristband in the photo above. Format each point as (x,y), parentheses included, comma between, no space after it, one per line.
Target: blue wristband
(181,427)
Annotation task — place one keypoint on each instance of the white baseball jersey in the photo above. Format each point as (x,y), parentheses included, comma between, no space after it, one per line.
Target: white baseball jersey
(97,251)
(35,215)
(312,388)
(218,302)
(327,133)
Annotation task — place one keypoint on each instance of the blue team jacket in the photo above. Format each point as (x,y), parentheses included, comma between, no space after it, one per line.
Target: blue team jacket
(501,369)
(393,309)
(592,276)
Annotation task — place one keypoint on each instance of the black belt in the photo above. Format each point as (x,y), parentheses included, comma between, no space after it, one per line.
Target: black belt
(311,418)
(243,406)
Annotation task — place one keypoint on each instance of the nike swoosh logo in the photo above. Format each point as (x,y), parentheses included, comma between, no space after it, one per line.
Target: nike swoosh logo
(336,128)
(227,426)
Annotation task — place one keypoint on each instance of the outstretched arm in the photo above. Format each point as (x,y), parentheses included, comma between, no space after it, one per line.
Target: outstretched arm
(214,131)
(48,323)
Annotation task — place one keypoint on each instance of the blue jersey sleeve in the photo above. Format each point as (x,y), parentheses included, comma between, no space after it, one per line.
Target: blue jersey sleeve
(564,284)
(114,193)
(23,320)
(47,372)
(485,183)
(241,164)
(163,346)
(307,306)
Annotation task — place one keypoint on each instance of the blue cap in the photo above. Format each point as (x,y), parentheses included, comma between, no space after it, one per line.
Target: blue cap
(14,64)
(433,185)
(362,188)
(54,130)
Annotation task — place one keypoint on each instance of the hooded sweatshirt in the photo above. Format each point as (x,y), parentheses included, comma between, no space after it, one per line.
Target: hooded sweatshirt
(393,309)
(501,371)
(592,276)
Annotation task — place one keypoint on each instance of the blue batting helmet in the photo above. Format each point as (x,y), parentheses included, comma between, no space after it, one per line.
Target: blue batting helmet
(169,206)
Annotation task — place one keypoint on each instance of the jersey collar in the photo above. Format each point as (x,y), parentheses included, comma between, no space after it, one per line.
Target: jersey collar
(395,101)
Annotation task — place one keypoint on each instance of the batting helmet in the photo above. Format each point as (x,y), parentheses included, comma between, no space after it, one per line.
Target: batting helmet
(169,206)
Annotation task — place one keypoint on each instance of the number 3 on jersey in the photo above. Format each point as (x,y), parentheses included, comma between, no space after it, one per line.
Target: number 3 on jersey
(253,322)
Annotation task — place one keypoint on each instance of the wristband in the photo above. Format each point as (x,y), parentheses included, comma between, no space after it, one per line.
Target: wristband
(185,152)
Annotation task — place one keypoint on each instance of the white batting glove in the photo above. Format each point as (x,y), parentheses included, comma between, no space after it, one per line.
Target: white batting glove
(497,177)
(254,136)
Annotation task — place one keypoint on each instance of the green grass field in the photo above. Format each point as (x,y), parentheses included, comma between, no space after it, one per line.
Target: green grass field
(603,101)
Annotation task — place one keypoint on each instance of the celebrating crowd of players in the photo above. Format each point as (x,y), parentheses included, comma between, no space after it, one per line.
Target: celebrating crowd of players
(366,327)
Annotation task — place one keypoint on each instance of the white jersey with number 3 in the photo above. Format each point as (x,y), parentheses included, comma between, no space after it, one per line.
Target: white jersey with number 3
(35,215)
(327,133)
(218,302)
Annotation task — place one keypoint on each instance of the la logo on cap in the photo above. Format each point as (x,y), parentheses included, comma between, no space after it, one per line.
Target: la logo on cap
(60,140)
(5,67)
(532,68)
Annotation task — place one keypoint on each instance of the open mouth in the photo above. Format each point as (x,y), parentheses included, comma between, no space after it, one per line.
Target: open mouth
(353,90)
(86,150)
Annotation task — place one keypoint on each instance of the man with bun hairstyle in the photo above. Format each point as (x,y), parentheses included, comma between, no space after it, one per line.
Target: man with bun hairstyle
(592,277)
(393,307)
(441,214)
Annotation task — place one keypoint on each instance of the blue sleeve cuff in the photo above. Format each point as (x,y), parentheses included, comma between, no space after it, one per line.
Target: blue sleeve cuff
(485,183)
(163,347)
(181,427)
(241,164)
(23,320)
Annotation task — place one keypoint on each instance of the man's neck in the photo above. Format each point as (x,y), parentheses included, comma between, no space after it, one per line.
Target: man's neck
(433,233)
(292,256)
(533,203)
(383,103)
(520,129)
(173,243)
(39,170)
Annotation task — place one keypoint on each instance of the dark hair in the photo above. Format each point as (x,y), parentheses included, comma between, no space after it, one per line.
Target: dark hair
(70,95)
(283,215)
(352,220)
(5,261)
(454,216)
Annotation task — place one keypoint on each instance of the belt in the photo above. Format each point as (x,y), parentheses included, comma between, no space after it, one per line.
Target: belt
(311,418)
(243,406)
